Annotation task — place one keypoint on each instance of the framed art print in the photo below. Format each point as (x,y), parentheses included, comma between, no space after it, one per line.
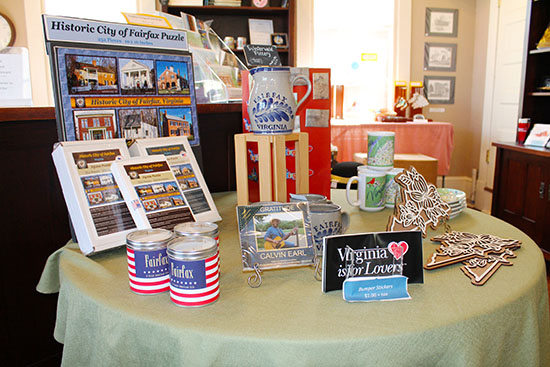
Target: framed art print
(441,22)
(275,235)
(279,40)
(439,89)
(440,56)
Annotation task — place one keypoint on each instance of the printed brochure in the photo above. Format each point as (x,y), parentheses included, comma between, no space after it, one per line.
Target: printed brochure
(181,159)
(151,192)
(98,212)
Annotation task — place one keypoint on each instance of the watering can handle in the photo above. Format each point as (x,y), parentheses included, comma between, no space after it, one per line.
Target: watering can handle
(308,89)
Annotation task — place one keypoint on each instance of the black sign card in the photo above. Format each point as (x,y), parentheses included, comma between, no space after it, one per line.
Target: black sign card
(372,254)
(261,55)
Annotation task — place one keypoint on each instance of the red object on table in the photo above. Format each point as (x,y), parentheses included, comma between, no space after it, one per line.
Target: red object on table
(434,139)
(523,128)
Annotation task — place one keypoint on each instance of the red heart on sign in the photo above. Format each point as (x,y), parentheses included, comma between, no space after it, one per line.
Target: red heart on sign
(398,249)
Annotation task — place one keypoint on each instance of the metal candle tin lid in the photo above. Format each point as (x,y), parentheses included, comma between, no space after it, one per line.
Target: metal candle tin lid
(196,228)
(149,238)
(192,248)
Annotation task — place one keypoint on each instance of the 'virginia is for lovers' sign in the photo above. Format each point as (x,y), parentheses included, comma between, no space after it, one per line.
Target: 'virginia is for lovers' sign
(372,255)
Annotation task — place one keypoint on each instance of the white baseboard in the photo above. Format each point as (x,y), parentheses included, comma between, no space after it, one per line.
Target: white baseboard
(484,198)
(463,183)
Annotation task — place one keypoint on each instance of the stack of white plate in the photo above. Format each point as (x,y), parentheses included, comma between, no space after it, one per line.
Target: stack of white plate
(455,198)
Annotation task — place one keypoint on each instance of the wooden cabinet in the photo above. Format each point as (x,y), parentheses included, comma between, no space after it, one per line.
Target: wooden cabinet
(233,21)
(535,103)
(35,224)
(521,193)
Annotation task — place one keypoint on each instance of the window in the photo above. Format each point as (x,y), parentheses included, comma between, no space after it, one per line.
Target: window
(355,39)
(85,123)
(96,122)
(107,10)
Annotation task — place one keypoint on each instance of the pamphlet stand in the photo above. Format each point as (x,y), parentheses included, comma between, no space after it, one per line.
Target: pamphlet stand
(271,148)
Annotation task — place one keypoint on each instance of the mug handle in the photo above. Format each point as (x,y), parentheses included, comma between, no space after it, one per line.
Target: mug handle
(348,186)
(345,222)
(308,89)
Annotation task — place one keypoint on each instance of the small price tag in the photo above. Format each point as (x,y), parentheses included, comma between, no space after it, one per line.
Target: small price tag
(368,289)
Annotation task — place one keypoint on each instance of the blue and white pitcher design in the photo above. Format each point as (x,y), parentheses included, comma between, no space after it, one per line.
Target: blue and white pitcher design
(272,106)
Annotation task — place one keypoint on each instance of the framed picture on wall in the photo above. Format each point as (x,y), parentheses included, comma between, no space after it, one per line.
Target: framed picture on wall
(441,22)
(279,40)
(439,89)
(440,56)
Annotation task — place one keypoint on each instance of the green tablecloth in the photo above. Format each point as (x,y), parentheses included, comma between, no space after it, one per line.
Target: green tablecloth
(288,321)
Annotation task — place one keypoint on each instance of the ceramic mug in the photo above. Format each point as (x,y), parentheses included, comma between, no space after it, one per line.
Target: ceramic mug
(381,150)
(370,190)
(229,42)
(241,41)
(327,219)
(392,188)
(311,198)
(272,106)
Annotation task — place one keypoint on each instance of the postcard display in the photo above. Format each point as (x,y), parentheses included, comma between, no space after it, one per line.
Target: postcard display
(313,117)
(120,81)
(152,190)
(99,214)
(186,170)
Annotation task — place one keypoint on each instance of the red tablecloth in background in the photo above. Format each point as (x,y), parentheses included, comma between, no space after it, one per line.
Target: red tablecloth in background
(434,139)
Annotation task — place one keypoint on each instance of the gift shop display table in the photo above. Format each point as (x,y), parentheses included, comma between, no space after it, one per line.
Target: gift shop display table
(288,321)
(434,139)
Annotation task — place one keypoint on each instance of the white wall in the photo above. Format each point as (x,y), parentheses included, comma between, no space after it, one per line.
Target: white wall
(304,33)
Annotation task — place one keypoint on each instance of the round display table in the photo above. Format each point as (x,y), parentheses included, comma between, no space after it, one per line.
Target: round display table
(288,321)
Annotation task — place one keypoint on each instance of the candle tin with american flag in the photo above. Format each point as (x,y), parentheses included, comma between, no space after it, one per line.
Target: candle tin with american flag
(194,271)
(209,229)
(148,261)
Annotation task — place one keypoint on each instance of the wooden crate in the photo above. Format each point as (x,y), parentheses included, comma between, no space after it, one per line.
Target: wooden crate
(272,177)
(425,165)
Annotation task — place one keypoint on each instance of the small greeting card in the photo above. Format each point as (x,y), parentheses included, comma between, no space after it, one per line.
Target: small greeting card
(379,254)
(275,235)
(539,135)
